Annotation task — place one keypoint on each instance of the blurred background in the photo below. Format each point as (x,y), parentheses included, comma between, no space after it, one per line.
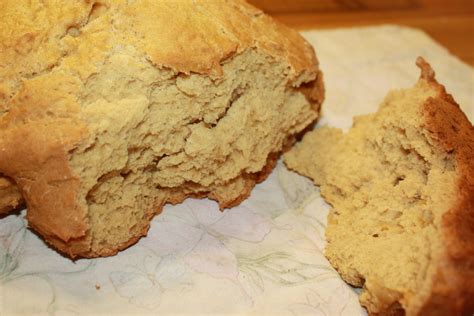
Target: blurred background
(450,22)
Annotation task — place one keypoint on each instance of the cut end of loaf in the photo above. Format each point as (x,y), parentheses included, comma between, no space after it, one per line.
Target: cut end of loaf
(123,111)
(394,181)
(189,137)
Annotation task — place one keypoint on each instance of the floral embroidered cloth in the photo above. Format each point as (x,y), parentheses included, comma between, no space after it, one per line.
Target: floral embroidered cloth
(262,257)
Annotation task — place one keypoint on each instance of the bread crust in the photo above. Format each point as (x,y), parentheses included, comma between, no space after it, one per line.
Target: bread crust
(451,288)
(10,196)
(46,115)
(453,285)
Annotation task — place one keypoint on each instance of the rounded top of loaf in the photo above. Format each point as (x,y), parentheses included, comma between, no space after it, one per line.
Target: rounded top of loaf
(183,36)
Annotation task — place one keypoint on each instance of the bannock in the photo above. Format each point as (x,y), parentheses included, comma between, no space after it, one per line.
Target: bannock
(110,109)
(401,184)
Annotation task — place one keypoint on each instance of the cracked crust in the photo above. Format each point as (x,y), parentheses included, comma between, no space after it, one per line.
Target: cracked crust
(413,253)
(109,110)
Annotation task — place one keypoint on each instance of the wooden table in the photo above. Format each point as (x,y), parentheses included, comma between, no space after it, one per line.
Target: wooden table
(450,22)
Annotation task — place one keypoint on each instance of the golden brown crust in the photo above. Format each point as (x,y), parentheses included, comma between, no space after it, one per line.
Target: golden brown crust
(47,183)
(450,129)
(10,196)
(43,117)
(234,26)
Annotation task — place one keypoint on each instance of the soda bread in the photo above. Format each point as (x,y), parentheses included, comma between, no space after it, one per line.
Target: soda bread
(110,109)
(401,184)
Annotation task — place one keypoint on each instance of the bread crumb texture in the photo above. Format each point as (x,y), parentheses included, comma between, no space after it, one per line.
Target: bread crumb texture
(110,109)
(401,184)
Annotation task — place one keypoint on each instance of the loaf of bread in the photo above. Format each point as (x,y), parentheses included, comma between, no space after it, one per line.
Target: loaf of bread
(401,184)
(110,109)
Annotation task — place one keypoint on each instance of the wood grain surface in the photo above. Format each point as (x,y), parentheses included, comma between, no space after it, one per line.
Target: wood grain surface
(450,22)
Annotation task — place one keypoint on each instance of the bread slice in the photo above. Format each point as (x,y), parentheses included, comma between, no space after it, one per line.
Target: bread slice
(110,109)
(401,183)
